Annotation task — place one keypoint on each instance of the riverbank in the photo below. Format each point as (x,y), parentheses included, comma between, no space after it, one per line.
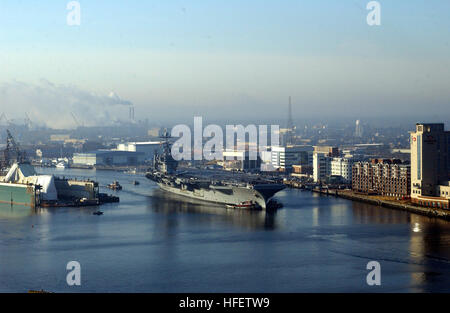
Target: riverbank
(404,205)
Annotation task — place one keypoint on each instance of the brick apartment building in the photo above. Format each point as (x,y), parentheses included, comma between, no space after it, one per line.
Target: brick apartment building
(385,177)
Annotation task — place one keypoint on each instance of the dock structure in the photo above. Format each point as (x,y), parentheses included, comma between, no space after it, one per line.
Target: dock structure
(404,205)
(19,194)
(23,186)
(20,184)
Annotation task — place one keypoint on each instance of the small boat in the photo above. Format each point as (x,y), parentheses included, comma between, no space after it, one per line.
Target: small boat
(98,213)
(135,182)
(61,165)
(115,186)
(134,171)
(249,205)
(105,198)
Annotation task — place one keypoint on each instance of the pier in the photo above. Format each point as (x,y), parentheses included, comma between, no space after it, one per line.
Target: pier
(387,202)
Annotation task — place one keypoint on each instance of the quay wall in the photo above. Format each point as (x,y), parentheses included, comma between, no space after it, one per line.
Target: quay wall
(392,204)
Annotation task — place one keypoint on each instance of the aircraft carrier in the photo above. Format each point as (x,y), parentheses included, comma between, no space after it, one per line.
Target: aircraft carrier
(235,190)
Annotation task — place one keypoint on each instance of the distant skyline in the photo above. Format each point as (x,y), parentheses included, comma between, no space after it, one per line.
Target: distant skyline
(224,59)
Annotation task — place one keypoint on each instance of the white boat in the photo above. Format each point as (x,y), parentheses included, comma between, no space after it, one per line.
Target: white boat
(61,165)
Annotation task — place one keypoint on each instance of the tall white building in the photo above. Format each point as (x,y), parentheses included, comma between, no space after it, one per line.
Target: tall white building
(284,158)
(430,165)
(358,129)
(342,167)
(321,166)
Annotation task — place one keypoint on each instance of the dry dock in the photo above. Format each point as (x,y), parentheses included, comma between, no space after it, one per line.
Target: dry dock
(19,194)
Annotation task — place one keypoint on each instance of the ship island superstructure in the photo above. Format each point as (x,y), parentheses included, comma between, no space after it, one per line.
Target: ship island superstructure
(238,190)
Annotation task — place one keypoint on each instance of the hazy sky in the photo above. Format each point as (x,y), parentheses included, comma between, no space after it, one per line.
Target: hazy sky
(227,59)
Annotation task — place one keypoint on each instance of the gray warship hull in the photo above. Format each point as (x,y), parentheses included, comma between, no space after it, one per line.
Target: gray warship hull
(230,189)
(228,195)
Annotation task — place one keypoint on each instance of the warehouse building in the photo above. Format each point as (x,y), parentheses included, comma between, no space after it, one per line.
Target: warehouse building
(147,148)
(109,158)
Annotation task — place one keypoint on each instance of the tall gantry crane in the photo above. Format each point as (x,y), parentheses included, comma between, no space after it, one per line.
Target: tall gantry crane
(12,153)
(28,121)
(4,118)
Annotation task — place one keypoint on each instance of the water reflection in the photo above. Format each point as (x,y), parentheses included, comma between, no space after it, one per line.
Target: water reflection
(430,245)
(364,213)
(167,203)
(8,211)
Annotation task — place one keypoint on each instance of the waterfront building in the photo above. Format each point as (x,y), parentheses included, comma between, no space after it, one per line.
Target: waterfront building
(240,161)
(382,177)
(284,157)
(305,170)
(430,165)
(109,158)
(342,167)
(321,166)
(147,148)
(322,157)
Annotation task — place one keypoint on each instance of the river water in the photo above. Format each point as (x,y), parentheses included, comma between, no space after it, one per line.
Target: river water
(153,241)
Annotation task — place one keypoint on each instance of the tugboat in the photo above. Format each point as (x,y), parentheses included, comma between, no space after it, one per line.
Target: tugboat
(115,186)
(98,213)
(105,198)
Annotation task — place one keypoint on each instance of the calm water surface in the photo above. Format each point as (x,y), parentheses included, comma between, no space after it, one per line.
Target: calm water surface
(157,242)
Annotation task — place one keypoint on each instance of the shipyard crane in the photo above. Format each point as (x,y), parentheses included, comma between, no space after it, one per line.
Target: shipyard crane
(3,117)
(75,119)
(28,121)
(77,122)
(12,150)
